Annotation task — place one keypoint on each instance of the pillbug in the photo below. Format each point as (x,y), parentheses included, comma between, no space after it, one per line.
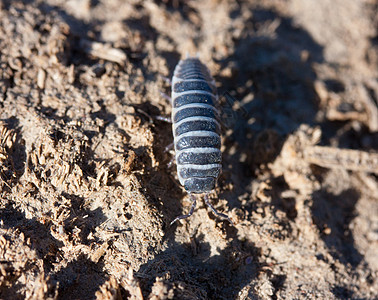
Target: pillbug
(196,130)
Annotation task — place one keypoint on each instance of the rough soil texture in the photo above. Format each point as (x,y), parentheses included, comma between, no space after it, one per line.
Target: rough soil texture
(86,191)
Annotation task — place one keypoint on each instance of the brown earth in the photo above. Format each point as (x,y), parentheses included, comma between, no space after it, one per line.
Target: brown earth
(86,192)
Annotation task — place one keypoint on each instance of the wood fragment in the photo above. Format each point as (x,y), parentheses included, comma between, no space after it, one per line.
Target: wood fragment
(130,284)
(335,115)
(96,256)
(103,51)
(109,290)
(335,158)
(369,99)
(41,79)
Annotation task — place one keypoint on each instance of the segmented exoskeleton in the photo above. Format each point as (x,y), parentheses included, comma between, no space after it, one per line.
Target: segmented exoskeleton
(196,130)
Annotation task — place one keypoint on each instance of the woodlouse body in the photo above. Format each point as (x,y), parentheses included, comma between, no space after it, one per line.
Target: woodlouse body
(195,126)
(196,129)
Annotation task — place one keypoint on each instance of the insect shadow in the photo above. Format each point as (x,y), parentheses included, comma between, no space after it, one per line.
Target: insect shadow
(271,85)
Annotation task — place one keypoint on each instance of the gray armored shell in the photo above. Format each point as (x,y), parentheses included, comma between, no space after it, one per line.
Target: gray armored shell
(195,126)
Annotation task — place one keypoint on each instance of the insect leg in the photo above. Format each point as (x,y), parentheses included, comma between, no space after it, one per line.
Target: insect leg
(165,96)
(171,162)
(218,214)
(173,158)
(166,79)
(169,147)
(193,198)
(164,119)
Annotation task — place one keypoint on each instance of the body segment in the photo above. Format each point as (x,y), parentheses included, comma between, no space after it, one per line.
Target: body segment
(195,126)
(196,130)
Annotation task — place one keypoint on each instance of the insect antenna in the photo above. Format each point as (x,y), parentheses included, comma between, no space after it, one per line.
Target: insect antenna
(193,198)
(218,214)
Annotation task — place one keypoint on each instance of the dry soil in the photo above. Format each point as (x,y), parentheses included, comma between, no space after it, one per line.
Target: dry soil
(86,190)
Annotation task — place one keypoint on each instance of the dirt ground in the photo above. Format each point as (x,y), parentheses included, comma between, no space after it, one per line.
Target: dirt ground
(86,191)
